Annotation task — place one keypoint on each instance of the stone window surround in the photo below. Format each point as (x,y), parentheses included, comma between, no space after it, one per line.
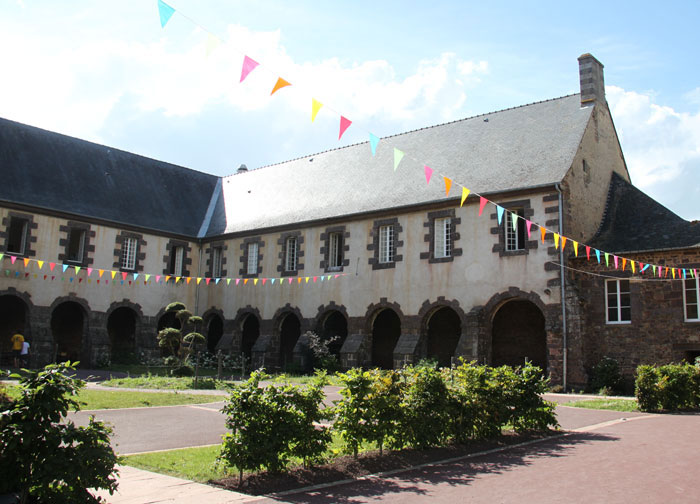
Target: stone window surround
(500,230)
(282,242)
(209,251)
(326,245)
(243,271)
(29,239)
(88,247)
(429,237)
(374,246)
(138,257)
(186,256)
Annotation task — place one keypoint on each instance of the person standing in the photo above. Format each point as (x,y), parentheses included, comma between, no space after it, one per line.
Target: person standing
(24,355)
(17,340)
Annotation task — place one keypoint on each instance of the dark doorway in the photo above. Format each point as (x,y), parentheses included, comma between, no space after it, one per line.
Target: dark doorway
(290,329)
(215,329)
(13,317)
(691,355)
(518,334)
(386,331)
(249,335)
(335,324)
(444,330)
(121,327)
(67,325)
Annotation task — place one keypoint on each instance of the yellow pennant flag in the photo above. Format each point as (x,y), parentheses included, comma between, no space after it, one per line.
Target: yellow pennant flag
(77,269)
(199,279)
(102,272)
(279,85)
(448,185)
(465,193)
(306,279)
(255,281)
(177,279)
(315,107)
(556,240)
(575,247)
(41,264)
(673,273)
(114,273)
(632,264)
(212,43)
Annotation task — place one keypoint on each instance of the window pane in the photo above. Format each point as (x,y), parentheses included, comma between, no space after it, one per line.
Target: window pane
(386,244)
(691,312)
(612,300)
(440,245)
(612,314)
(216,265)
(291,254)
(625,314)
(612,286)
(625,286)
(335,256)
(176,261)
(76,239)
(252,259)
(625,300)
(17,235)
(129,253)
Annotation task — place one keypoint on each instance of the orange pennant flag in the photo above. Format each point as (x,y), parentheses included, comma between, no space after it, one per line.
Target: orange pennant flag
(448,185)
(167,277)
(26,262)
(279,85)
(188,280)
(543,231)
(624,263)
(245,281)
(102,272)
(563,242)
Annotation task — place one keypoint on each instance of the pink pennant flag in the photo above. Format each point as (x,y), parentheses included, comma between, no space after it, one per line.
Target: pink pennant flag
(13,259)
(248,66)
(52,266)
(290,281)
(588,252)
(528,226)
(344,124)
(482,204)
(89,270)
(428,173)
(641,267)
(615,261)
(237,280)
(208,280)
(157,278)
(448,185)
(264,280)
(315,279)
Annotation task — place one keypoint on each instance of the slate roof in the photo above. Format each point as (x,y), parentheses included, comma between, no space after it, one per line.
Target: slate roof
(57,172)
(635,222)
(522,147)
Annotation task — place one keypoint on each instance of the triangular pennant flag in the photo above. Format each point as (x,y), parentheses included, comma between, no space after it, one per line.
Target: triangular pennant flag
(398,156)
(615,261)
(322,278)
(528,226)
(165,12)
(212,43)
(306,279)
(188,280)
(499,213)
(666,273)
(272,281)
(673,273)
(624,263)
(684,274)
(52,266)
(514,220)
(77,269)
(249,65)
(13,259)
(315,279)
(465,194)
(41,264)
(607,262)
(448,185)
(26,262)
(207,281)
(237,281)
(642,267)
(255,281)
(147,277)
(373,142)
(556,240)
(588,252)
(264,280)
(89,270)
(279,85)
(290,280)
(199,279)
(157,278)
(315,107)
(299,280)
(575,247)
(65,267)
(245,281)
(124,273)
(344,124)
(1,256)
(563,242)
(328,277)
(336,276)
(632,265)
(216,281)
(177,279)
(482,204)
(114,273)
(228,281)
(428,173)
(597,255)
(101,272)
(543,232)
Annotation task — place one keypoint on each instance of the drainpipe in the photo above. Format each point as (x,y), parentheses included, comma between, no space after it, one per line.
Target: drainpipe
(563,288)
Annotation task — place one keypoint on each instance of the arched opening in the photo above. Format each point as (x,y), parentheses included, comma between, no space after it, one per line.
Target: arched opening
(386,331)
(250,331)
(444,329)
(334,324)
(121,327)
(67,326)
(517,334)
(215,329)
(13,319)
(168,319)
(290,329)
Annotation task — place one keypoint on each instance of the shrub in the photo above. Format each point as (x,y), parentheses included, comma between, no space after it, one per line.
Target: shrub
(670,387)
(44,456)
(184,370)
(606,375)
(322,358)
(353,410)
(425,415)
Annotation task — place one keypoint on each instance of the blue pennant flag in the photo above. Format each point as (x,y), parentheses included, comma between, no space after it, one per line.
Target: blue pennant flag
(65,267)
(165,11)
(373,142)
(597,254)
(499,210)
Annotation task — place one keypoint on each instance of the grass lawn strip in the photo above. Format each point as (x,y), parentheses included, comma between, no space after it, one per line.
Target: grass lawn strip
(205,383)
(625,405)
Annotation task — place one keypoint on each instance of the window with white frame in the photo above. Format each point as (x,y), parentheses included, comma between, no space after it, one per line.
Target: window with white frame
(129,246)
(618,302)
(515,230)
(216,255)
(76,245)
(691,295)
(335,254)
(443,237)
(252,266)
(17,236)
(290,254)
(177,254)
(386,244)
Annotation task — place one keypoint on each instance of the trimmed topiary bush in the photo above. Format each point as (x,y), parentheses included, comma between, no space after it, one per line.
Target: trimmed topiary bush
(606,377)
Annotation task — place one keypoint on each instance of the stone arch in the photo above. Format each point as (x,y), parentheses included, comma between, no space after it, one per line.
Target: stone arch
(124,322)
(70,317)
(14,317)
(332,320)
(213,327)
(442,325)
(384,324)
(288,326)
(517,329)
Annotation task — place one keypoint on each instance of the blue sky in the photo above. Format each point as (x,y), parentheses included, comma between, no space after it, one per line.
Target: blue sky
(107,72)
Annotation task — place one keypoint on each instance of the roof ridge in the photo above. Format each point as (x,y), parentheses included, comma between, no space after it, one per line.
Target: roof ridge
(405,133)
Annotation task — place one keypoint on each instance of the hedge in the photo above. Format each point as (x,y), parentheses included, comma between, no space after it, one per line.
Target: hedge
(670,387)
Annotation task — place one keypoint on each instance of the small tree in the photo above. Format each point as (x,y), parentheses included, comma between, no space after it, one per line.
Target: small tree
(46,457)
(320,351)
(180,342)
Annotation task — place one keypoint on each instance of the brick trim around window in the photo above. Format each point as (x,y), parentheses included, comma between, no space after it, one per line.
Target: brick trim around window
(186,256)
(500,230)
(88,247)
(430,236)
(140,254)
(326,246)
(374,246)
(243,271)
(282,242)
(209,252)
(30,239)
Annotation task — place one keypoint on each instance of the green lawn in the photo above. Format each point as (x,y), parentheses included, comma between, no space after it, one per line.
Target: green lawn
(171,383)
(606,404)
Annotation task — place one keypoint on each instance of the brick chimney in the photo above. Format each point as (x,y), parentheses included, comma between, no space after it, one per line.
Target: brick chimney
(590,72)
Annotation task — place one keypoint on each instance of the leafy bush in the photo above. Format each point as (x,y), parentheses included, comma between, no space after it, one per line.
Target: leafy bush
(184,370)
(606,376)
(353,411)
(670,387)
(425,419)
(179,342)
(44,456)
(322,358)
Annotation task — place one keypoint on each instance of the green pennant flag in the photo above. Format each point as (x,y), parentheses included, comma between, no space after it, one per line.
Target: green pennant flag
(77,270)
(398,156)
(606,259)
